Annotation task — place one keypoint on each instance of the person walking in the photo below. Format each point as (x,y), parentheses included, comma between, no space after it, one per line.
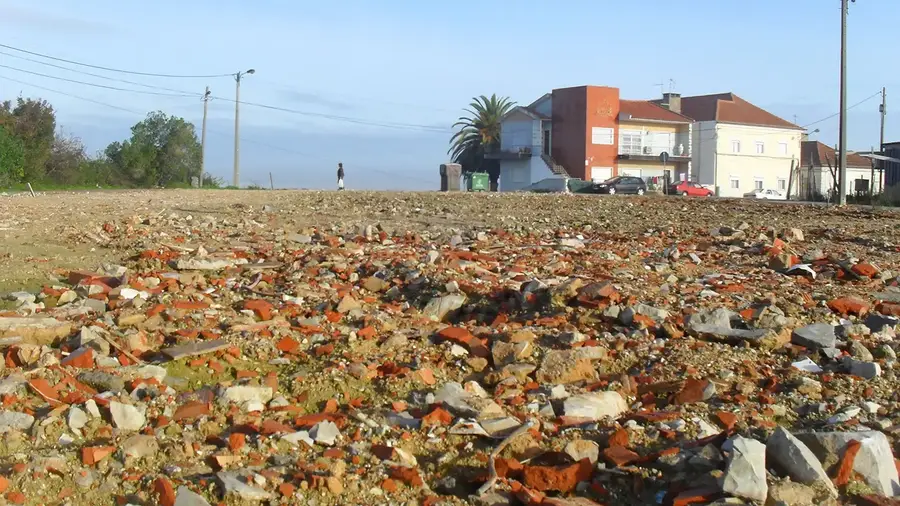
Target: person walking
(340,175)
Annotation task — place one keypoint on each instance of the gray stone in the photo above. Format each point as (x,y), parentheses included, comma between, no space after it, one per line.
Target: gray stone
(583,449)
(140,446)
(815,336)
(797,460)
(13,420)
(467,404)
(300,238)
(859,351)
(186,497)
(126,417)
(34,330)
(595,406)
(874,461)
(439,308)
(717,323)
(325,433)
(84,478)
(745,475)
(569,366)
(500,427)
(652,312)
(233,485)
(877,322)
(192,349)
(867,370)
(102,381)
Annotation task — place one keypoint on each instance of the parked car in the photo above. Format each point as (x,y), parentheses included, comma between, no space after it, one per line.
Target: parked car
(765,195)
(621,184)
(690,189)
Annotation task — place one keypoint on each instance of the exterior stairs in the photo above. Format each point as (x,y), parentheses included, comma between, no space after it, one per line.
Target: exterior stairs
(554,167)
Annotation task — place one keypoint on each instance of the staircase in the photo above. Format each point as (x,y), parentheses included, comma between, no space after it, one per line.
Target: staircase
(554,167)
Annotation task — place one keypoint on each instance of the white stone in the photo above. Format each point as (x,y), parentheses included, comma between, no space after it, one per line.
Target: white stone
(325,433)
(795,458)
(241,394)
(77,418)
(126,416)
(745,475)
(595,406)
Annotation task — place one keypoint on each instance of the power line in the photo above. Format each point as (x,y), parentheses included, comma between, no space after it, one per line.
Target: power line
(244,139)
(70,95)
(156,93)
(110,69)
(402,126)
(150,86)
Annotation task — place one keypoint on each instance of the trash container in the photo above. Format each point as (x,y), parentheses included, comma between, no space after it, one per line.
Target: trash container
(450,173)
(479,182)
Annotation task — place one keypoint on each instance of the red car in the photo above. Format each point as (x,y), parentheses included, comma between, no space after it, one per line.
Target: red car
(690,189)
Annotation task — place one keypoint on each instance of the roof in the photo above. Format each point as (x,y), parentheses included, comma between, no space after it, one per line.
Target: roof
(730,108)
(818,154)
(528,111)
(644,109)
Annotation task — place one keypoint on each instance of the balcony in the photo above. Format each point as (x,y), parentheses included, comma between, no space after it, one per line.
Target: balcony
(514,152)
(651,152)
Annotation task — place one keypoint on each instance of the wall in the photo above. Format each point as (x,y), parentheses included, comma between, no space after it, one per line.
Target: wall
(569,120)
(520,130)
(821,181)
(515,174)
(545,106)
(602,111)
(747,166)
(703,153)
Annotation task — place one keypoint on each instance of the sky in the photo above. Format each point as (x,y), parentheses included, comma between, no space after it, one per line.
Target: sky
(377,85)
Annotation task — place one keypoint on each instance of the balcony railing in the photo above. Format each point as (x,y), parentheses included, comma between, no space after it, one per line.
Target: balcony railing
(652,150)
(512,152)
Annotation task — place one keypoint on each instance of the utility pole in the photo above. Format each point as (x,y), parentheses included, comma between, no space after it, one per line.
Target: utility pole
(842,158)
(237,126)
(203,137)
(883,110)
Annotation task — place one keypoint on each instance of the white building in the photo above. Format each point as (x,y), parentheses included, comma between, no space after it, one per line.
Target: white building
(738,147)
(818,171)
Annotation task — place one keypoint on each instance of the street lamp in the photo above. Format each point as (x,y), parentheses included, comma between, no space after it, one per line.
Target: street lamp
(237,126)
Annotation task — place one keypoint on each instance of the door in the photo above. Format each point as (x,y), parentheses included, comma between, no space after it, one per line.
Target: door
(628,185)
(546,143)
(600,174)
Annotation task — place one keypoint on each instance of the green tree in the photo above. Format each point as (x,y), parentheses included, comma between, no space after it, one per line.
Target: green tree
(12,158)
(33,122)
(479,132)
(67,158)
(162,150)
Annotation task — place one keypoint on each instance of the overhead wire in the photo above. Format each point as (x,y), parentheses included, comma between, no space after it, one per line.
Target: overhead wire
(114,88)
(213,131)
(112,69)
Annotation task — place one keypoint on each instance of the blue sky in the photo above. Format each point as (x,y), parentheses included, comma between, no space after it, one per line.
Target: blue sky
(418,63)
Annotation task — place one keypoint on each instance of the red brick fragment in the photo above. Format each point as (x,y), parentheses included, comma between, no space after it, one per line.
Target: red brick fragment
(90,455)
(407,475)
(325,349)
(262,308)
(16,498)
(619,438)
(438,416)
(389,485)
(286,489)
(692,391)
(696,496)
(845,466)
(865,270)
(557,478)
(190,305)
(165,491)
(620,456)
(4,484)
(191,410)
(236,441)
(888,309)
(82,358)
(849,306)
(465,338)
(726,420)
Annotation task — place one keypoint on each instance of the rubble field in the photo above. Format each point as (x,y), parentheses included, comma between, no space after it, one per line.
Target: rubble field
(197,348)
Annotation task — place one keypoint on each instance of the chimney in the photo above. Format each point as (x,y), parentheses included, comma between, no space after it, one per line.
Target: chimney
(672,102)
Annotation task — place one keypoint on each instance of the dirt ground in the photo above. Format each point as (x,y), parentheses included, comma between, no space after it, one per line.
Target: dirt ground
(369,247)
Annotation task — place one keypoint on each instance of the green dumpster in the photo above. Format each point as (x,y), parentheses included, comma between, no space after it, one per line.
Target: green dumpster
(479,182)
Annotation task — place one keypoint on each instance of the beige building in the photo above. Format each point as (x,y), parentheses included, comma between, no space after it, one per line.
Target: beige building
(646,131)
(818,171)
(738,147)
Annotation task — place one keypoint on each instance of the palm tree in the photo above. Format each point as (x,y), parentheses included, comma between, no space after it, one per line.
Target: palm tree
(479,132)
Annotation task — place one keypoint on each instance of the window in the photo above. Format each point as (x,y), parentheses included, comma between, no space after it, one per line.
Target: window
(782,148)
(782,183)
(735,183)
(758,184)
(600,135)
(735,146)
(630,143)
(760,147)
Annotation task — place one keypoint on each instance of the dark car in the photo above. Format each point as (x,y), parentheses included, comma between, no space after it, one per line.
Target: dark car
(621,184)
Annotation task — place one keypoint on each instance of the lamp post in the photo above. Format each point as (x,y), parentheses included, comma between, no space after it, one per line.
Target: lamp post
(237,125)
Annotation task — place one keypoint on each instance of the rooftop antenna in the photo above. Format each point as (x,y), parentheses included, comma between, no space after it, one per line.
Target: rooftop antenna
(671,85)
(662,90)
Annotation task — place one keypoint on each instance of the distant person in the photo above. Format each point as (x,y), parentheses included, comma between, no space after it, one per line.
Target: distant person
(340,176)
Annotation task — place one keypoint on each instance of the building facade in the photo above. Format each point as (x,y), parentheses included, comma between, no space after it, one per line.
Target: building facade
(738,147)
(589,133)
(818,173)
